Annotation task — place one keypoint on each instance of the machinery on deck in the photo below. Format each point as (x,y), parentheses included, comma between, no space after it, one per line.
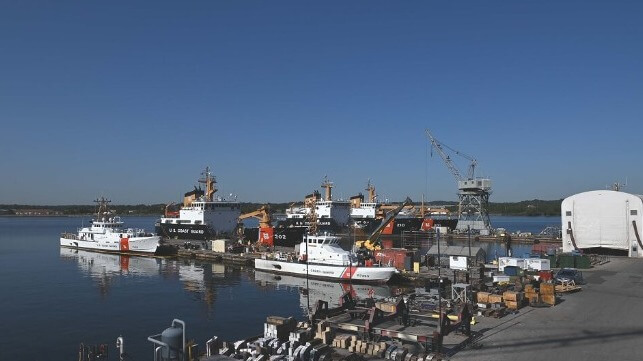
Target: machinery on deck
(262,214)
(372,242)
(265,223)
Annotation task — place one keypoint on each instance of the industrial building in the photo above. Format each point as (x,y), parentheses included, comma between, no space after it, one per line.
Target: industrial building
(603,220)
(460,258)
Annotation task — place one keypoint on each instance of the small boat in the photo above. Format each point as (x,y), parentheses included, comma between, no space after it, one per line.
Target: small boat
(107,234)
(320,256)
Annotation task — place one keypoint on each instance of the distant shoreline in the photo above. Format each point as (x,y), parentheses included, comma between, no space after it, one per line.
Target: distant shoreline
(527,208)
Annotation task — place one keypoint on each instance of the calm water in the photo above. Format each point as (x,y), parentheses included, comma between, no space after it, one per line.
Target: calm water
(53,299)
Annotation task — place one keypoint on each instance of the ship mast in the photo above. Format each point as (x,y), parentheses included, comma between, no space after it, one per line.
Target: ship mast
(422,210)
(328,186)
(371,192)
(210,184)
(101,203)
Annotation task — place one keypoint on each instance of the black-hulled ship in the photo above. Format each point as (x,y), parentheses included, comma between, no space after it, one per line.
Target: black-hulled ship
(202,216)
(367,216)
(331,216)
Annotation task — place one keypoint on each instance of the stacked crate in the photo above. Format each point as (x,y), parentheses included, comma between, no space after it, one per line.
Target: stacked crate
(493,299)
(513,300)
(352,344)
(324,332)
(531,295)
(548,293)
(491,305)
(342,340)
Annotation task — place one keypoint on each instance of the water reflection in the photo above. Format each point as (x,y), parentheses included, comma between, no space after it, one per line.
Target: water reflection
(198,279)
(103,267)
(330,292)
(203,279)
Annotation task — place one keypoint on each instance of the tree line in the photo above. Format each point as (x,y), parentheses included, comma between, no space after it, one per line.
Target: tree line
(534,207)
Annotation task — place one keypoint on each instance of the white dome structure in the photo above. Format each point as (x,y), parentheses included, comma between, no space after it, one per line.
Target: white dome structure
(603,219)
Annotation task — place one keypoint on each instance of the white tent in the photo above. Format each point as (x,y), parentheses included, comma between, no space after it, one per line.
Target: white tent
(603,219)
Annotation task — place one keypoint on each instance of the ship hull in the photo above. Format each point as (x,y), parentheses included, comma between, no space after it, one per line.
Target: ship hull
(323,224)
(134,245)
(401,225)
(330,272)
(200,232)
(279,237)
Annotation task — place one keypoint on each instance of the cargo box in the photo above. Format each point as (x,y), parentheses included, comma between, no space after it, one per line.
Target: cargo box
(512,305)
(548,299)
(547,289)
(483,297)
(532,297)
(386,306)
(495,299)
(512,296)
(399,258)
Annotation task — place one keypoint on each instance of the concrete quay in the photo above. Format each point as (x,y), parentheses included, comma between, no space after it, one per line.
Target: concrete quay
(603,321)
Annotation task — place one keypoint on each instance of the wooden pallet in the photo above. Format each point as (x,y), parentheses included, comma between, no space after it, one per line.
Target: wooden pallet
(567,288)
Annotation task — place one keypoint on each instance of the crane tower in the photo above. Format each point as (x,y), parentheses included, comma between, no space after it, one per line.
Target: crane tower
(473,193)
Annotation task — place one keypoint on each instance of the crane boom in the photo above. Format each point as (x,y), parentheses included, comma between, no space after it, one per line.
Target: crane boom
(439,147)
(473,193)
(262,214)
(372,243)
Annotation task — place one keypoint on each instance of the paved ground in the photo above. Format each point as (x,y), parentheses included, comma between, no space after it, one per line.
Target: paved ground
(604,321)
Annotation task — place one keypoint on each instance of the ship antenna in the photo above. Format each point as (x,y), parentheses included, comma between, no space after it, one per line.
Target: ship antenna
(370,188)
(210,181)
(102,206)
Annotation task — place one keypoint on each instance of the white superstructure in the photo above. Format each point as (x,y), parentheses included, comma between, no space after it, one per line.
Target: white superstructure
(320,256)
(220,215)
(603,219)
(325,211)
(203,216)
(106,233)
(366,210)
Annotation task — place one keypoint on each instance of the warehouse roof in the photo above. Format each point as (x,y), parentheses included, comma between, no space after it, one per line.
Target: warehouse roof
(457,251)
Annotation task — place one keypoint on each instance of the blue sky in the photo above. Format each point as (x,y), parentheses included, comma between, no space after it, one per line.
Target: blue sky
(133,99)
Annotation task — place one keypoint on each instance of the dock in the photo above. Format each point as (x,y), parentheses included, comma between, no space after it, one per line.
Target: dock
(241,259)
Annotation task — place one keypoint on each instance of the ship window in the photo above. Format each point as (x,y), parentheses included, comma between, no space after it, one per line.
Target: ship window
(633,212)
(568,213)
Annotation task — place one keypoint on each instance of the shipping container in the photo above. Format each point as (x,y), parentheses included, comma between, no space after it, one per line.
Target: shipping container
(510,261)
(399,258)
(538,264)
